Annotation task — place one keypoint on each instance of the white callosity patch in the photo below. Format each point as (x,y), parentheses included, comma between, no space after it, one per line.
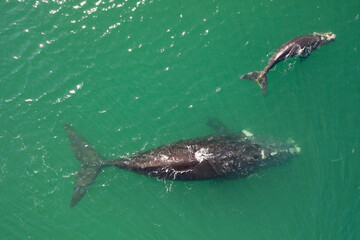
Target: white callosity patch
(263,154)
(202,154)
(164,158)
(295,149)
(273,153)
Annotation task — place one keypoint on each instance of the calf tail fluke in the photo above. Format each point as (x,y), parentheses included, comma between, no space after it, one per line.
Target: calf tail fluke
(91,163)
(259,76)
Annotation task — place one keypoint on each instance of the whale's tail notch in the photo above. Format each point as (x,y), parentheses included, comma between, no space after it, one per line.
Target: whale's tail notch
(91,163)
(259,76)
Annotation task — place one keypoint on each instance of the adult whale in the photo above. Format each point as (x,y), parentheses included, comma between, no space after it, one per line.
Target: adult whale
(216,156)
(300,46)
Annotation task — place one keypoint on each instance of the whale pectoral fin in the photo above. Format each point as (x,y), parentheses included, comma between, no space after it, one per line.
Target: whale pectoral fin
(217,126)
(304,56)
(305,53)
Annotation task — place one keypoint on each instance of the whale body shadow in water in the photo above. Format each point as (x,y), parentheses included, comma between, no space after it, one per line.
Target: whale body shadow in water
(216,156)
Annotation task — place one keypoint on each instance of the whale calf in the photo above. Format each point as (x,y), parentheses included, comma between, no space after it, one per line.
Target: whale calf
(300,46)
(215,156)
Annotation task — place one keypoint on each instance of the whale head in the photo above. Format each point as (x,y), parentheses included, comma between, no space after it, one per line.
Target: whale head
(278,153)
(325,38)
(328,36)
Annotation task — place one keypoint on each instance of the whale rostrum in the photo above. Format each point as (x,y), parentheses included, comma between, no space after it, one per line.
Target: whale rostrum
(215,156)
(299,46)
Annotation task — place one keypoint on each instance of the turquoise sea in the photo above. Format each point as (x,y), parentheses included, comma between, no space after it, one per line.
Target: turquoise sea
(134,75)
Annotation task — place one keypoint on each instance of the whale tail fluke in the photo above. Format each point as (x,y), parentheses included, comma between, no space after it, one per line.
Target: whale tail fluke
(91,163)
(259,76)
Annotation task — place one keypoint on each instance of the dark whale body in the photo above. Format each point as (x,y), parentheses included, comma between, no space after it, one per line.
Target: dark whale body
(300,46)
(218,156)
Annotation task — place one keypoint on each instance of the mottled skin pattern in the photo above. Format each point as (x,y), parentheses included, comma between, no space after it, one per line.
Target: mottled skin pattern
(220,156)
(201,158)
(299,46)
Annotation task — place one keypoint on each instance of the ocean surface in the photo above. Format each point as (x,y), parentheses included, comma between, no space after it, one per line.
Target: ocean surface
(134,75)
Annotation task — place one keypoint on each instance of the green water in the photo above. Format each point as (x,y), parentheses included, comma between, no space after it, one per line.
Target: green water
(131,76)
